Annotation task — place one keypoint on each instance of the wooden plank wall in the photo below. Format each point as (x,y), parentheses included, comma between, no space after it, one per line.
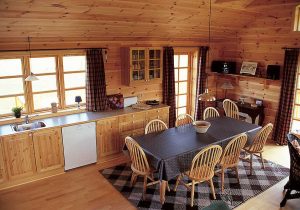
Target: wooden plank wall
(262,42)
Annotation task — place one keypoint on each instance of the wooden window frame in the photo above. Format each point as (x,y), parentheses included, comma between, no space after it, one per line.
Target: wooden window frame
(295,94)
(297,19)
(27,86)
(189,80)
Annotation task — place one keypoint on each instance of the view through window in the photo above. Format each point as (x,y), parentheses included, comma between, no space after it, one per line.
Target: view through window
(181,65)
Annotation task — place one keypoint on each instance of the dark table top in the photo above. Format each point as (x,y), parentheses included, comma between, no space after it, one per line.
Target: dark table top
(167,148)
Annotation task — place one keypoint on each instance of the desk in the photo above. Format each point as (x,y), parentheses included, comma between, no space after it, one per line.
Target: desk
(253,112)
(171,152)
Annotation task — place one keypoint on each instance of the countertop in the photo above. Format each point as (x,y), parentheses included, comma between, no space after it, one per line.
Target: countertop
(72,119)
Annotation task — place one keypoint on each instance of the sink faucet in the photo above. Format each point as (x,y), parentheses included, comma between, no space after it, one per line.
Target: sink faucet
(26,119)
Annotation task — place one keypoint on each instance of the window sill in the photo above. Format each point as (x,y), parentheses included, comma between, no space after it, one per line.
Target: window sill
(42,115)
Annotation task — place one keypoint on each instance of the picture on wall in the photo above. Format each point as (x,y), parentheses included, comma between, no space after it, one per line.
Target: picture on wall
(248,68)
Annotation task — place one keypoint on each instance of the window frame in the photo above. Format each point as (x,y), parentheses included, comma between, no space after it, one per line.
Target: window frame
(294,118)
(296,22)
(189,80)
(27,86)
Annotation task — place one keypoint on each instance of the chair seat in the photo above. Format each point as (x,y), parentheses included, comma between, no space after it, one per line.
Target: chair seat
(203,168)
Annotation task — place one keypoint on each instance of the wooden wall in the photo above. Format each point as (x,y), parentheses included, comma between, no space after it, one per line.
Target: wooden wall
(261,41)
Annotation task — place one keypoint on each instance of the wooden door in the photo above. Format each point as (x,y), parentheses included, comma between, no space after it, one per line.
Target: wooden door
(48,149)
(3,175)
(108,137)
(19,155)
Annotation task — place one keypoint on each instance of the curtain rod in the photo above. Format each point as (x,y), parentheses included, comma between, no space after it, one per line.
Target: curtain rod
(103,48)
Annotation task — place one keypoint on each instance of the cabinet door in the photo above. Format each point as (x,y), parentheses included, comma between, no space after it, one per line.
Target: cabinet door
(155,64)
(137,64)
(108,137)
(3,175)
(48,149)
(19,155)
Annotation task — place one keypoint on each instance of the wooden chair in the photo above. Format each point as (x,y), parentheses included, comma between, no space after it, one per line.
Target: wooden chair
(183,119)
(202,169)
(139,164)
(231,109)
(155,126)
(257,146)
(210,112)
(230,156)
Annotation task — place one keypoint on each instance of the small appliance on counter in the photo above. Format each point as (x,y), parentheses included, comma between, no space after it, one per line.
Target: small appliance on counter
(152,102)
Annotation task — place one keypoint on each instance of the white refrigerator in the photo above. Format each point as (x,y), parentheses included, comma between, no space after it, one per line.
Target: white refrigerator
(79,143)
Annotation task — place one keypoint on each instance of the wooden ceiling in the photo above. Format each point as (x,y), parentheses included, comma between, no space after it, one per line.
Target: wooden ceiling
(132,19)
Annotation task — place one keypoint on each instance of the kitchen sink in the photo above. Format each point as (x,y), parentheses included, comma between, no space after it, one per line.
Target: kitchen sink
(28,126)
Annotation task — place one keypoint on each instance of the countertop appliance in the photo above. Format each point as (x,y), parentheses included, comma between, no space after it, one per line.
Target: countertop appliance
(79,145)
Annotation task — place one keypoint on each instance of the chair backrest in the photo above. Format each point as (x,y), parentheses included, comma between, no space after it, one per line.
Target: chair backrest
(260,138)
(210,112)
(155,126)
(231,109)
(231,153)
(139,162)
(183,119)
(204,163)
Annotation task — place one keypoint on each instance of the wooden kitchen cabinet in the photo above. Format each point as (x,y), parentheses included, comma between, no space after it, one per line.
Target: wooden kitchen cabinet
(161,114)
(48,149)
(3,174)
(140,65)
(19,155)
(131,125)
(108,140)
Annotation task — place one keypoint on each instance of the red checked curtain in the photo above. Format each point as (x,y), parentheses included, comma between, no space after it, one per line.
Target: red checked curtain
(96,99)
(201,77)
(284,114)
(169,83)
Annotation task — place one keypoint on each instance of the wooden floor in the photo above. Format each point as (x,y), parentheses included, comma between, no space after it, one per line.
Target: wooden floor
(85,188)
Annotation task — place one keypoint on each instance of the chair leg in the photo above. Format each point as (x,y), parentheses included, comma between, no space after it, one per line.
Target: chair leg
(133,179)
(144,187)
(212,188)
(222,179)
(262,161)
(192,193)
(177,182)
(168,187)
(251,164)
(237,173)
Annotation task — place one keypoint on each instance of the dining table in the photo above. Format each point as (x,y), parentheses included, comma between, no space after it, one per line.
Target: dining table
(171,151)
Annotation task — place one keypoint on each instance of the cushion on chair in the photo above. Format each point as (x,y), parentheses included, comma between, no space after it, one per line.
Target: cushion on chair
(217,205)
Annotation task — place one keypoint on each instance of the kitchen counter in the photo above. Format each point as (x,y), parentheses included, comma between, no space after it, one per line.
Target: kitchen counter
(71,119)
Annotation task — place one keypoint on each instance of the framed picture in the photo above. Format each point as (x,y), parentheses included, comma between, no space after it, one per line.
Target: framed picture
(248,68)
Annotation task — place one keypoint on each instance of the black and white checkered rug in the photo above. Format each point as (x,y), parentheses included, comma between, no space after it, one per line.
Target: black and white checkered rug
(234,193)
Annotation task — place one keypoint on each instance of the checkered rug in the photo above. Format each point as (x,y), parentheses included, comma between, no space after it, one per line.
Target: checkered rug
(234,193)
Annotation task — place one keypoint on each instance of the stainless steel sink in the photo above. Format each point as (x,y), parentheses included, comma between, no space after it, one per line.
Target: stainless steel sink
(29,126)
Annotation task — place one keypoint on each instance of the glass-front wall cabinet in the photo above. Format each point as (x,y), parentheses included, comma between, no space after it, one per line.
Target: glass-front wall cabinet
(140,65)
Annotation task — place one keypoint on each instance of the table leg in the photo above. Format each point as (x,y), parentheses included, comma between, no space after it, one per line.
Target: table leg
(163,185)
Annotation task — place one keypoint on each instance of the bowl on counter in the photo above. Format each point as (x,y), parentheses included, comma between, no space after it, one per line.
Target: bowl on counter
(201,126)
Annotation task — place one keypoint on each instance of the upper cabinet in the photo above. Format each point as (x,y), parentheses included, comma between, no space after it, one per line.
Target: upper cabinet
(140,65)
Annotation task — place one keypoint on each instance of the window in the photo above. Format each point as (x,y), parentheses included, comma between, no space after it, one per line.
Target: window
(182,81)
(11,85)
(296,110)
(61,78)
(74,78)
(44,90)
(297,19)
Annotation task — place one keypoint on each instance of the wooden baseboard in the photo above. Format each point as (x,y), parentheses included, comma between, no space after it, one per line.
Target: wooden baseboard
(113,160)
